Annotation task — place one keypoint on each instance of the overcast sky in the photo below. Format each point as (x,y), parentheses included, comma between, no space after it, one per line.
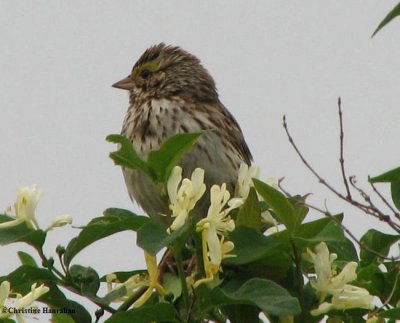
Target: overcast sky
(268,58)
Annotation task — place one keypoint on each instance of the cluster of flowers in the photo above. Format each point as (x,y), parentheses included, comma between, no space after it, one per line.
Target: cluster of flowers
(183,196)
(327,283)
(18,303)
(24,209)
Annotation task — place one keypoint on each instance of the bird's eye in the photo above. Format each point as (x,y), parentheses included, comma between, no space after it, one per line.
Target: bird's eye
(145,74)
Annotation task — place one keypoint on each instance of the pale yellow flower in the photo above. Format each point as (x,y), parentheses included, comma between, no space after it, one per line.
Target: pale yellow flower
(344,295)
(35,293)
(131,285)
(60,221)
(348,297)
(4,292)
(184,196)
(153,283)
(216,224)
(22,302)
(243,186)
(245,182)
(25,206)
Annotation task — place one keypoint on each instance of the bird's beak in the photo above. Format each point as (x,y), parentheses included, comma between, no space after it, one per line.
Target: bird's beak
(124,84)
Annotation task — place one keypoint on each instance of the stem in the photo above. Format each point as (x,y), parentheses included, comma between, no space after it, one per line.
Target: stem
(66,284)
(300,282)
(49,265)
(182,277)
(346,184)
(132,299)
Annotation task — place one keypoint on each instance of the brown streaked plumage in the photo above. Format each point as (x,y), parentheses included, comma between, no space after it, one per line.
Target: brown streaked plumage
(171,92)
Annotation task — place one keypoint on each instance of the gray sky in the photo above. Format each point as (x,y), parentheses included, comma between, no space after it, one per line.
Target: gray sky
(269,58)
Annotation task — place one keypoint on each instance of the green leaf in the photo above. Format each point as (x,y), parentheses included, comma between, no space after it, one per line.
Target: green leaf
(395,191)
(27,275)
(250,212)
(76,311)
(161,312)
(325,229)
(322,230)
(20,233)
(22,279)
(27,259)
(126,156)
(390,176)
(265,294)
(372,278)
(393,313)
(122,276)
(153,236)
(329,231)
(162,160)
(119,213)
(377,241)
(282,207)
(389,17)
(301,210)
(86,278)
(61,318)
(250,246)
(113,221)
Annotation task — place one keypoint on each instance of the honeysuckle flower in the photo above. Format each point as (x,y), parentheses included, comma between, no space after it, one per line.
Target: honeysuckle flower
(152,269)
(131,285)
(137,281)
(183,198)
(35,293)
(243,186)
(344,295)
(216,224)
(4,292)
(348,297)
(21,301)
(267,217)
(60,221)
(245,182)
(326,283)
(25,206)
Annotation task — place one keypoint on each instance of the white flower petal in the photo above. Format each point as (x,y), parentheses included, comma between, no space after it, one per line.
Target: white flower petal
(184,194)
(25,206)
(35,293)
(60,221)
(4,292)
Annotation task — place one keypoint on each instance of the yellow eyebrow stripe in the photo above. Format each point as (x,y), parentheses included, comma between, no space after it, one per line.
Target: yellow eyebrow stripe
(152,66)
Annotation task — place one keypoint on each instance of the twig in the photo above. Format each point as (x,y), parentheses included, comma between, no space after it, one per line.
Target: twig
(372,209)
(351,235)
(396,214)
(346,184)
(345,229)
(368,209)
(311,169)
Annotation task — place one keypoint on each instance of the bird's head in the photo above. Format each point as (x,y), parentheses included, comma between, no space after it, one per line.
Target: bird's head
(165,71)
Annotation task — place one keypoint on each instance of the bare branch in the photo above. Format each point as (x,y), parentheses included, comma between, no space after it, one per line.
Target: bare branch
(346,184)
(396,214)
(370,208)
